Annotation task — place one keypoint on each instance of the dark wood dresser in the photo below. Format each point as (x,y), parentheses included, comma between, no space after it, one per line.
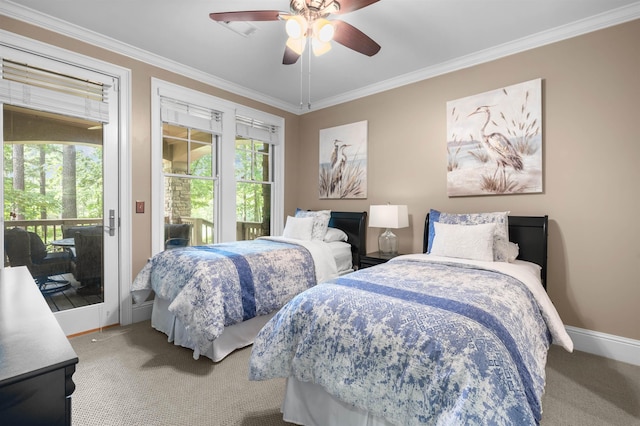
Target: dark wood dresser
(37,361)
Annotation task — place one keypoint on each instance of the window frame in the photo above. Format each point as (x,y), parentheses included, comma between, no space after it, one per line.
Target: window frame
(225,214)
(188,175)
(254,155)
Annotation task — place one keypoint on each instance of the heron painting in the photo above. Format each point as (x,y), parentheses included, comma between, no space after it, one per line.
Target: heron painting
(343,161)
(494,142)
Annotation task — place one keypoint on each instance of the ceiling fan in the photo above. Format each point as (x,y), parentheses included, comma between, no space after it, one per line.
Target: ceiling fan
(307,20)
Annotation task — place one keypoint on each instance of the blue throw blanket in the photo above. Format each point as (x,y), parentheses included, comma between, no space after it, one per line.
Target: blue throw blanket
(214,286)
(415,343)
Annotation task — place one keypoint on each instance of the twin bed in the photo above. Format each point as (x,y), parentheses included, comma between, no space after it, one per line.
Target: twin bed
(456,335)
(214,299)
(423,338)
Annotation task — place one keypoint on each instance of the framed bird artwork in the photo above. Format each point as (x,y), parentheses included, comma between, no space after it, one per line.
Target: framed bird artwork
(494,142)
(343,161)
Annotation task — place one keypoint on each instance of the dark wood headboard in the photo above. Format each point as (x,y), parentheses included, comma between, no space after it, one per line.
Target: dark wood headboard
(529,232)
(354,224)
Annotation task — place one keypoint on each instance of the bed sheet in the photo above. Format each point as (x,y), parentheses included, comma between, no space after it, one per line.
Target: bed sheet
(232,337)
(342,255)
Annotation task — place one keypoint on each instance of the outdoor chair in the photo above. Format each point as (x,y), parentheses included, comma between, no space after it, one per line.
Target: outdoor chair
(172,243)
(176,235)
(24,248)
(86,266)
(70,232)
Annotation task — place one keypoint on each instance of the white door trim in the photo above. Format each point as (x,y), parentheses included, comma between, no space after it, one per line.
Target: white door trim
(123,78)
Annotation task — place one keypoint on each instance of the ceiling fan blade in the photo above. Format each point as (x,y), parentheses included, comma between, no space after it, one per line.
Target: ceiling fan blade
(351,37)
(290,57)
(250,15)
(347,6)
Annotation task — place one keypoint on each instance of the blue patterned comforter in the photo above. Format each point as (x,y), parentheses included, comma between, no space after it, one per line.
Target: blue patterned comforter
(211,287)
(415,342)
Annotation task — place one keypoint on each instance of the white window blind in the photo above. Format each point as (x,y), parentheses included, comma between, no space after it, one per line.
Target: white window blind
(44,90)
(189,115)
(250,128)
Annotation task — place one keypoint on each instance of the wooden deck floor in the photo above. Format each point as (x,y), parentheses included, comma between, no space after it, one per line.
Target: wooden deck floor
(69,299)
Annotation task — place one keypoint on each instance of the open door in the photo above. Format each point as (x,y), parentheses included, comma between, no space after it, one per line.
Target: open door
(56,188)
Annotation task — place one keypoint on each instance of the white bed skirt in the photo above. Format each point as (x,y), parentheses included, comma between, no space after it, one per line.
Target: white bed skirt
(310,405)
(234,337)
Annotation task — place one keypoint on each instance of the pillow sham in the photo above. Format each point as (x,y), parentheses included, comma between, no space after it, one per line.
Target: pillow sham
(473,242)
(320,221)
(513,252)
(298,228)
(335,234)
(501,236)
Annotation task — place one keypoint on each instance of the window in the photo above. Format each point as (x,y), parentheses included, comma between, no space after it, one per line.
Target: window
(190,146)
(217,166)
(253,189)
(255,143)
(189,164)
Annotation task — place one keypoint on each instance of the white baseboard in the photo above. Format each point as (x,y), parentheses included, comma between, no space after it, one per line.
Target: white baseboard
(606,345)
(141,311)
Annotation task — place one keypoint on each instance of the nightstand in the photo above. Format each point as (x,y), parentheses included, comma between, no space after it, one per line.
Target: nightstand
(375,258)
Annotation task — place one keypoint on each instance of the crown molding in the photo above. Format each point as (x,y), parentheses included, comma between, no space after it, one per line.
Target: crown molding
(584,26)
(574,29)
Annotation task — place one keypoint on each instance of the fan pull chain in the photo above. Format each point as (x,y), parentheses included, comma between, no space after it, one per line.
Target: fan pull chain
(309,84)
(301,76)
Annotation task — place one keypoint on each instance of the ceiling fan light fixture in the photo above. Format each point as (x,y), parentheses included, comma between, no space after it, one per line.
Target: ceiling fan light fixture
(297,44)
(320,47)
(296,26)
(333,7)
(307,23)
(323,30)
(298,6)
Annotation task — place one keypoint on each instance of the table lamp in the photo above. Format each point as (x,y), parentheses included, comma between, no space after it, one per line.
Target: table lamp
(389,217)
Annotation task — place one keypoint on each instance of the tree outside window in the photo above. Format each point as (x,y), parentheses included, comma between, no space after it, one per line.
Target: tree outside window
(253,188)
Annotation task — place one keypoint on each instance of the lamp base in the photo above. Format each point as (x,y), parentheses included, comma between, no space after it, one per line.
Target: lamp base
(388,243)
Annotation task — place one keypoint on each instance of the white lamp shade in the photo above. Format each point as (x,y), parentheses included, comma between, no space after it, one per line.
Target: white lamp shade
(388,216)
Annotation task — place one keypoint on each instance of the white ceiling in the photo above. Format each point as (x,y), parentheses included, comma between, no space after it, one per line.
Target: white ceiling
(419,39)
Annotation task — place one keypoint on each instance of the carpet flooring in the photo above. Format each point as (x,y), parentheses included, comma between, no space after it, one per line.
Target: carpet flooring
(132,376)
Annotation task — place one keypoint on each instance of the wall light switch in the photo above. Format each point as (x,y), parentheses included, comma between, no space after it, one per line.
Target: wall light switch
(139,206)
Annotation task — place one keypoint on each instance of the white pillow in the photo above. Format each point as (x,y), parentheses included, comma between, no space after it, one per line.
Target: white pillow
(335,234)
(513,250)
(501,219)
(298,228)
(320,221)
(464,241)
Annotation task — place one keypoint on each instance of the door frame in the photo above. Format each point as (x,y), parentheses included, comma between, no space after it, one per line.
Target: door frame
(122,77)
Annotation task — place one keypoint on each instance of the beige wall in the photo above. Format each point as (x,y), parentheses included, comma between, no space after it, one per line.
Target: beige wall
(591,157)
(591,88)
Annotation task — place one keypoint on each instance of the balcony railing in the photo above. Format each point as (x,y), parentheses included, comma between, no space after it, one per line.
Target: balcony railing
(201,229)
(50,229)
(249,230)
